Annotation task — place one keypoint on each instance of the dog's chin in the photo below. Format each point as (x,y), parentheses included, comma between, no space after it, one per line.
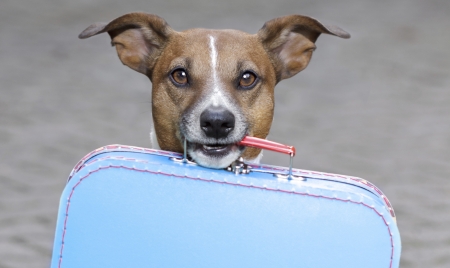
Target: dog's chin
(214,156)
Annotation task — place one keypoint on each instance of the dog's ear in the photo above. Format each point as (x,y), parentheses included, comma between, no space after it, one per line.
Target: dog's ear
(139,38)
(290,42)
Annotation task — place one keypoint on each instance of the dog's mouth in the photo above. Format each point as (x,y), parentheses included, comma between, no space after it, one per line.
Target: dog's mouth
(215,149)
(214,155)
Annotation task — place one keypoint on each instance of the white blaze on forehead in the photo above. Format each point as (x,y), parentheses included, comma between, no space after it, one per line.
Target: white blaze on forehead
(212,46)
(217,96)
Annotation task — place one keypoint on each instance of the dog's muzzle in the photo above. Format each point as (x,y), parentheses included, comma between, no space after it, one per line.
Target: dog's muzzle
(218,147)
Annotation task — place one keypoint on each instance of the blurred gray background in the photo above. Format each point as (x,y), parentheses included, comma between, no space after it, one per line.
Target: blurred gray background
(375,106)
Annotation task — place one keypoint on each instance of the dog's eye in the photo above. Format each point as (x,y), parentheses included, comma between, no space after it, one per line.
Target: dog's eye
(247,80)
(179,76)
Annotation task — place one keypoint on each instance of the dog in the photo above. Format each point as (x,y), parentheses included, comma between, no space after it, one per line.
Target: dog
(213,87)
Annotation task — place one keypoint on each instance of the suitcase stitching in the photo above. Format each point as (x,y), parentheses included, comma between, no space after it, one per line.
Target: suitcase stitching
(206,180)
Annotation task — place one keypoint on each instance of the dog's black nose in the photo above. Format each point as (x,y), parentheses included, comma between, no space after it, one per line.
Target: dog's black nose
(217,122)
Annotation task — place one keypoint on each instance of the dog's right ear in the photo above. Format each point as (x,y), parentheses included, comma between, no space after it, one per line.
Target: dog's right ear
(139,38)
(289,41)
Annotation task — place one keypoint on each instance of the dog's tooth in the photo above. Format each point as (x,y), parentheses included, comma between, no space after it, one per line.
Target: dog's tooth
(217,147)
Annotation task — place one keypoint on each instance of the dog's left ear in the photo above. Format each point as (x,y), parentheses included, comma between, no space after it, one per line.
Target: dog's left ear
(290,42)
(139,38)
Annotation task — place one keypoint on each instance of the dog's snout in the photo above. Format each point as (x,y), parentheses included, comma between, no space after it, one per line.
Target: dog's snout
(217,122)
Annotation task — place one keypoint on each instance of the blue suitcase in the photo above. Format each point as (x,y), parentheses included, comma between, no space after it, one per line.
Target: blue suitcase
(126,206)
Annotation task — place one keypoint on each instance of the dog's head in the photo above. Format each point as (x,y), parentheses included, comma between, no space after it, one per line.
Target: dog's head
(213,87)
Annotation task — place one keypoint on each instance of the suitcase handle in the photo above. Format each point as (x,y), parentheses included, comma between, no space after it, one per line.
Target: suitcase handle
(256,143)
(267,145)
(272,146)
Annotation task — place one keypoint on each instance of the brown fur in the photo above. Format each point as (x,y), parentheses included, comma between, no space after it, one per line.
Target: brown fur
(169,102)
(145,43)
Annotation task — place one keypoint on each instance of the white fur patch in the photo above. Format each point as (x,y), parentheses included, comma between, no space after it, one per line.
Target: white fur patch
(153,140)
(217,96)
(212,46)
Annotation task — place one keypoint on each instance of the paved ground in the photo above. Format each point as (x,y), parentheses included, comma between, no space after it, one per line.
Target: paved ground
(376,106)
